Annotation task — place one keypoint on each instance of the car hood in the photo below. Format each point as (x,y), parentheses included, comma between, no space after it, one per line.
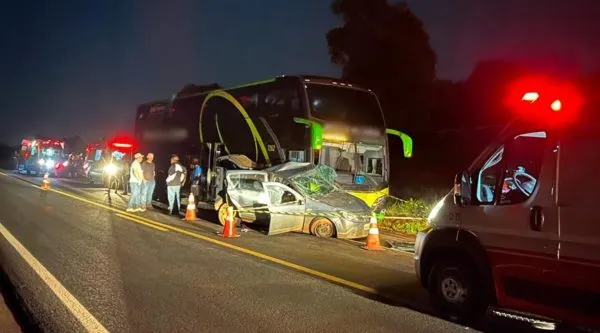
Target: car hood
(317,184)
(342,201)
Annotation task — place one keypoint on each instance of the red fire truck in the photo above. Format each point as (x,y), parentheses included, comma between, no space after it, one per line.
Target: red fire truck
(40,155)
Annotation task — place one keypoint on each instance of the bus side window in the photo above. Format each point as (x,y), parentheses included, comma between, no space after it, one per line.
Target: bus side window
(281,102)
(278,107)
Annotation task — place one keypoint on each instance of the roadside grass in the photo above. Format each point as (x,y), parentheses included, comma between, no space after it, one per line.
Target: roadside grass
(394,209)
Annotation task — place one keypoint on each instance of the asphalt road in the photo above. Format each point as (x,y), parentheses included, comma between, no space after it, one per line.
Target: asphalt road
(79,266)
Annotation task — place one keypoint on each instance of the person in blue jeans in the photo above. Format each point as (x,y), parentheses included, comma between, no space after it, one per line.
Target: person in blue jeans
(149,171)
(175,179)
(136,179)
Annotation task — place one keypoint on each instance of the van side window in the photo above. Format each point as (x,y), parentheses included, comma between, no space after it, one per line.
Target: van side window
(522,167)
(487,179)
(515,167)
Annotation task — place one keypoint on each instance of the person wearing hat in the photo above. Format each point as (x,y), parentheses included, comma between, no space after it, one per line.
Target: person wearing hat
(136,179)
(175,179)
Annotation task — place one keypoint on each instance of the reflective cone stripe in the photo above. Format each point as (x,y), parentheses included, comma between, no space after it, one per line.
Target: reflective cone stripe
(190,212)
(373,243)
(45,182)
(229,227)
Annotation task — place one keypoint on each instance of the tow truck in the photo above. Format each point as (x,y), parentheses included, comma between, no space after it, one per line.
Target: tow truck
(39,156)
(519,234)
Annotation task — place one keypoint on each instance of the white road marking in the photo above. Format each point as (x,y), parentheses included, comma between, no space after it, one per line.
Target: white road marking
(89,322)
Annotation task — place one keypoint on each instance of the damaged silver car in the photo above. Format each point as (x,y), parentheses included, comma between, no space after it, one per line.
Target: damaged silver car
(298,197)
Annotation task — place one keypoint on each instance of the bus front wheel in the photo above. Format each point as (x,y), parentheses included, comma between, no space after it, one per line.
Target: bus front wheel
(222,213)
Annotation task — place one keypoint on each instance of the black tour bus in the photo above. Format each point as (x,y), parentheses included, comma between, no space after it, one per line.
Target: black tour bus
(288,118)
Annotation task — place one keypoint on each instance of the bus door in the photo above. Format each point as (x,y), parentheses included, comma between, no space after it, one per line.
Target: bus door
(213,182)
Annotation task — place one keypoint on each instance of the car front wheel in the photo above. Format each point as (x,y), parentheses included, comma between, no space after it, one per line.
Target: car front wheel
(323,228)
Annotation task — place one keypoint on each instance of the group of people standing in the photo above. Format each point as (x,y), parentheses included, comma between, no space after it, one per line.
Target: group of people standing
(142,182)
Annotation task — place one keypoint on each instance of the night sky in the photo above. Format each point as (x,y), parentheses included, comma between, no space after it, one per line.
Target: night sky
(80,67)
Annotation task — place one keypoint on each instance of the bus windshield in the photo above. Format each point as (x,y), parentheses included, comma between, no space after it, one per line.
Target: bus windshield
(344,105)
(355,162)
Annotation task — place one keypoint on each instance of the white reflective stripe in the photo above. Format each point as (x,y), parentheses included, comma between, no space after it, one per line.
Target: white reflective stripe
(85,318)
(373,231)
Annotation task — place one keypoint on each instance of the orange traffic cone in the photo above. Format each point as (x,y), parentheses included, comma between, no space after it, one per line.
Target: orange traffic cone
(373,238)
(46,182)
(190,212)
(229,227)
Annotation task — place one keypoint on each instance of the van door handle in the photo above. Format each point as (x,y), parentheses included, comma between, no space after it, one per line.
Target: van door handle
(536,218)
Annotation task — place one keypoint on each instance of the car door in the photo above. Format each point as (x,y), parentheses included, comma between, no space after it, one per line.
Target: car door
(515,217)
(246,193)
(286,208)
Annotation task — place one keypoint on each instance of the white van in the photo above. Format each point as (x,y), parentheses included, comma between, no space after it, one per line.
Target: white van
(520,232)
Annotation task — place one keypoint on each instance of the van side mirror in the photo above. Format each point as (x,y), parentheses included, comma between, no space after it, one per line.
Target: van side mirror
(462,189)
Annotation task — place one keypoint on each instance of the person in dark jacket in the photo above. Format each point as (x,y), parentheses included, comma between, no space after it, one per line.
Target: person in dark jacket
(176,177)
(148,186)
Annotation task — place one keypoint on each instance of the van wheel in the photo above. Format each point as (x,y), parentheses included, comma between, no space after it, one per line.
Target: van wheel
(222,213)
(454,290)
(322,227)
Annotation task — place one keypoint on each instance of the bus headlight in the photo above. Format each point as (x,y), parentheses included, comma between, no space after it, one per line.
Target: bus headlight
(41,161)
(111,169)
(49,164)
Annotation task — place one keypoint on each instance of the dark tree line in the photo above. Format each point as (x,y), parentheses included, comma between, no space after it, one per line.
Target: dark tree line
(385,47)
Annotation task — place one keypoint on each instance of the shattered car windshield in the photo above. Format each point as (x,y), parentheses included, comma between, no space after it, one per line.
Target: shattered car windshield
(316,182)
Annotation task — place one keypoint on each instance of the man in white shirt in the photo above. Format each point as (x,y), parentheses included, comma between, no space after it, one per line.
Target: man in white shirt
(136,179)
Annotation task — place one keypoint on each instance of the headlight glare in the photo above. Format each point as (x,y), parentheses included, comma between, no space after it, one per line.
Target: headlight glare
(111,169)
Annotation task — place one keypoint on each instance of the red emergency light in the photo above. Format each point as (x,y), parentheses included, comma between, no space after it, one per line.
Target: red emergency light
(544,100)
(122,144)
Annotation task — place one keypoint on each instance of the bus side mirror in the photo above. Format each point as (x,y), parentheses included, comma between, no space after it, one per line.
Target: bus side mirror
(462,189)
(407,141)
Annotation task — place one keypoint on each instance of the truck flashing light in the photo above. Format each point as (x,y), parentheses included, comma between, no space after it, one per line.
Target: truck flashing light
(122,145)
(536,99)
(556,105)
(531,97)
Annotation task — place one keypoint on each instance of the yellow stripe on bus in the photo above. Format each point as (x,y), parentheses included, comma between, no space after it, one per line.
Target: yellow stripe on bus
(227,96)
